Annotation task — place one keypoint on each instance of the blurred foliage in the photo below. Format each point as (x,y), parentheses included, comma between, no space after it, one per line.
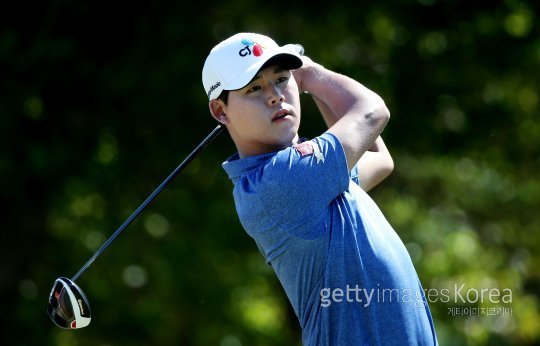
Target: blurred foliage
(100,101)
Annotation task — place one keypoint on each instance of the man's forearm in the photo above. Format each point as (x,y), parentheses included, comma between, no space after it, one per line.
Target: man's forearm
(334,93)
(354,114)
(378,146)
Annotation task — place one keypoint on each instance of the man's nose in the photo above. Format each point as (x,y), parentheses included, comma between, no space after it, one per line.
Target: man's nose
(276,95)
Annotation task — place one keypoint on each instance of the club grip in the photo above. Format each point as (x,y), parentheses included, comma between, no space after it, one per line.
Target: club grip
(211,136)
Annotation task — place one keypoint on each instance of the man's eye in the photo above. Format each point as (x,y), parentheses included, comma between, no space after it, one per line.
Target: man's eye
(253,89)
(282,79)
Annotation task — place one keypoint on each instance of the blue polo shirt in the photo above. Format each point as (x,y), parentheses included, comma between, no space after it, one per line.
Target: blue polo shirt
(344,269)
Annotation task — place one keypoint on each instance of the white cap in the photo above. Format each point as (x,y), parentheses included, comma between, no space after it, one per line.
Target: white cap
(233,63)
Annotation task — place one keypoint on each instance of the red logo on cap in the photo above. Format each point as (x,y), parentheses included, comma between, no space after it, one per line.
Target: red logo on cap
(256,49)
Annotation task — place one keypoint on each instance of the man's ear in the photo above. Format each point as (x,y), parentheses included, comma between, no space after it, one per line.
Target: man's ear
(217,110)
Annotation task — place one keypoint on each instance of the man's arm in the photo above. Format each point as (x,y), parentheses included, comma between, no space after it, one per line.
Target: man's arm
(355,115)
(375,165)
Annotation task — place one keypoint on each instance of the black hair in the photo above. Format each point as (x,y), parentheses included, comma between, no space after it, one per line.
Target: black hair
(224,96)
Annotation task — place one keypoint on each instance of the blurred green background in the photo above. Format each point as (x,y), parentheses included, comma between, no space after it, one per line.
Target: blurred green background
(100,101)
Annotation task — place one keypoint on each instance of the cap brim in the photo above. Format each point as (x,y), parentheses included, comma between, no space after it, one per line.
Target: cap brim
(282,57)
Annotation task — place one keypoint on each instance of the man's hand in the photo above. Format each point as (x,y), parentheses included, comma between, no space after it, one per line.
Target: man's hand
(307,67)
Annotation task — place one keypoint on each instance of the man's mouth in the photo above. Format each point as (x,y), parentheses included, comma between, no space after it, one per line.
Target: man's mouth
(280,114)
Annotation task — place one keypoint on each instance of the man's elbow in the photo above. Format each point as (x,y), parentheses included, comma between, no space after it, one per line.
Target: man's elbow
(385,163)
(379,116)
(387,167)
(384,169)
(383,113)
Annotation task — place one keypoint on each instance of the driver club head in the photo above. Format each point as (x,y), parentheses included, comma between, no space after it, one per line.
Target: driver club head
(68,307)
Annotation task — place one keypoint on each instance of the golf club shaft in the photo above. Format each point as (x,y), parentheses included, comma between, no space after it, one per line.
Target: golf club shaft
(150,198)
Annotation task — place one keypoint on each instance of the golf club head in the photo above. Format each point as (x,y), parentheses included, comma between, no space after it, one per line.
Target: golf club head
(68,307)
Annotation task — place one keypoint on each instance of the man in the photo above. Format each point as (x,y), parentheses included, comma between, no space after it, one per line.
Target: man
(345,271)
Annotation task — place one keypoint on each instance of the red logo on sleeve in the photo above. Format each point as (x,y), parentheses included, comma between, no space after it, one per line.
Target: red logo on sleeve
(304,148)
(310,148)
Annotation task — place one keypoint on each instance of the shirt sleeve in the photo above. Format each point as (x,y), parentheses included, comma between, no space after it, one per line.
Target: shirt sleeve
(302,181)
(354,175)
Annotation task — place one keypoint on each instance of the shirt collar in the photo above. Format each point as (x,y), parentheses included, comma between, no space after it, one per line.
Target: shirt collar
(235,166)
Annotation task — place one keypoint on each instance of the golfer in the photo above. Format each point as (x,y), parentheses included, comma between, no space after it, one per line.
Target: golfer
(344,269)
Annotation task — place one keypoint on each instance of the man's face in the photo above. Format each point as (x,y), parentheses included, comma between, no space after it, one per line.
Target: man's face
(264,116)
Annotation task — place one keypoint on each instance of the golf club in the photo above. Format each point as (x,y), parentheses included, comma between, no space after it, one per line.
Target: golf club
(68,306)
